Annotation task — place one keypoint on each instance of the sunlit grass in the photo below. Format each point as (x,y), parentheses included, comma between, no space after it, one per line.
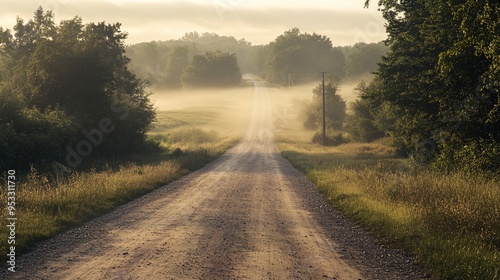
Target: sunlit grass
(450,222)
(44,208)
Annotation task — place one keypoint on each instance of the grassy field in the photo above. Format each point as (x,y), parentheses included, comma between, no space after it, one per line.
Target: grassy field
(189,138)
(450,222)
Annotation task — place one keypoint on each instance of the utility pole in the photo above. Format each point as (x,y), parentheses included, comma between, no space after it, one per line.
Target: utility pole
(324,106)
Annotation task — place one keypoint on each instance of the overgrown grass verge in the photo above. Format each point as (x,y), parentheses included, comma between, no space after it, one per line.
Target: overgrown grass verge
(46,207)
(450,222)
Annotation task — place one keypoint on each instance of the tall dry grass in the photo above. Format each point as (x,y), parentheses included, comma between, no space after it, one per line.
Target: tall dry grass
(44,208)
(450,222)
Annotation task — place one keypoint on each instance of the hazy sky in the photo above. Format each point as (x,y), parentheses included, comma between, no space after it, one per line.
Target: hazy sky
(259,21)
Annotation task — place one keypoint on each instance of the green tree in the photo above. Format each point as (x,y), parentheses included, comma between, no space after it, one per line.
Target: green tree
(335,112)
(226,44)
(152,60)
(298,53)
(362,124)
(178,61)
(261,54)
(364,58)
(68,79)
(148,61)
(29,134)
(214,69)
(442,72)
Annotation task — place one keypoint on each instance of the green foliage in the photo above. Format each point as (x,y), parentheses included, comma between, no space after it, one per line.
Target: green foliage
(214,69)
(335,108)
(361,124)
(472,157)
(163,62)
(363,58)
(150,60)
(210,42)
(178,61)
(334,104)
(442,74)
(30,135)
(332,138)
(261,54)
(64,81)
(335,114)
(299,53)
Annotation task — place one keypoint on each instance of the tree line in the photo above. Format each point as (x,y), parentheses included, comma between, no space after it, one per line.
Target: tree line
(166,63)
(71,91)
(66,93)
(436,91)
(193,61)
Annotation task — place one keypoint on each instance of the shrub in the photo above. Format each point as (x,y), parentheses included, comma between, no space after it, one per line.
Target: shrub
(335,108)
(331,139)
(214,69)
(471,156)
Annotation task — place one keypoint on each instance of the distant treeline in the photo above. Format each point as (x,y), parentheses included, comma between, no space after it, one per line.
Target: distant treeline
(193,60)
(169,64)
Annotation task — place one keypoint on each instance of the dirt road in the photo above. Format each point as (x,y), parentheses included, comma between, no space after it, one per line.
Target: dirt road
(248,215)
